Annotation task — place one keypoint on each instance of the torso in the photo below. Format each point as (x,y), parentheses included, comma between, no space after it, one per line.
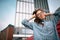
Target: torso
(44,32)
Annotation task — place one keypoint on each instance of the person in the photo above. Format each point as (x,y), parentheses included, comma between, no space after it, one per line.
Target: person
(43,29)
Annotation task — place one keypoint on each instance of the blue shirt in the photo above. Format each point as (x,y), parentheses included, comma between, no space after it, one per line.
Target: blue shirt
(46,32)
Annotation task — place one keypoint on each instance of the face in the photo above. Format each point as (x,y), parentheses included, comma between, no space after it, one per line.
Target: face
(40,14)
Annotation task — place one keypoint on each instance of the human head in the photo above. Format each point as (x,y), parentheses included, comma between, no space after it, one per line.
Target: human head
(40,14)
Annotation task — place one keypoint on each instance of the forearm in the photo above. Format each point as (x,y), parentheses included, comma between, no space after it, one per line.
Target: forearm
(27,24)
(48,14)
(32,17)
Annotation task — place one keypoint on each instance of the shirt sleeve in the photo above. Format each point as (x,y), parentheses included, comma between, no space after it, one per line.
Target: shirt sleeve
(55,20)
(27,24)
(56,16)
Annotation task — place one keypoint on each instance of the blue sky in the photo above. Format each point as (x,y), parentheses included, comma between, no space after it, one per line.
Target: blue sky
(7,12)
(53,5)
(8,8)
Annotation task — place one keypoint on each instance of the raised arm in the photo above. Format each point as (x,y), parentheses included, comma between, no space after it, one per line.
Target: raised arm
(57,12)
(28,24)
(48,14)
(57,15)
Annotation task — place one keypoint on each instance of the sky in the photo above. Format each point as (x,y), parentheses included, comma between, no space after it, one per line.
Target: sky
(8,9)
(53,5)
(7,13)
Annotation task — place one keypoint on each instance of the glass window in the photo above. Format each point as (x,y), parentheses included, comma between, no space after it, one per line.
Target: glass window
(21,7)
(26,1)
(17,6)
(17,20)
(24,10)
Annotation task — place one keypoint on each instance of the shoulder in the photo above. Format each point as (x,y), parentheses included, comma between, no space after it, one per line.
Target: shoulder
(48,22)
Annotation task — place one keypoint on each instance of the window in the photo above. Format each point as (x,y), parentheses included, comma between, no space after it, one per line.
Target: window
(24,10)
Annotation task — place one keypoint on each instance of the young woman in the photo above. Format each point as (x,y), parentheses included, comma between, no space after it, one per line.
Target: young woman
(42,29)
